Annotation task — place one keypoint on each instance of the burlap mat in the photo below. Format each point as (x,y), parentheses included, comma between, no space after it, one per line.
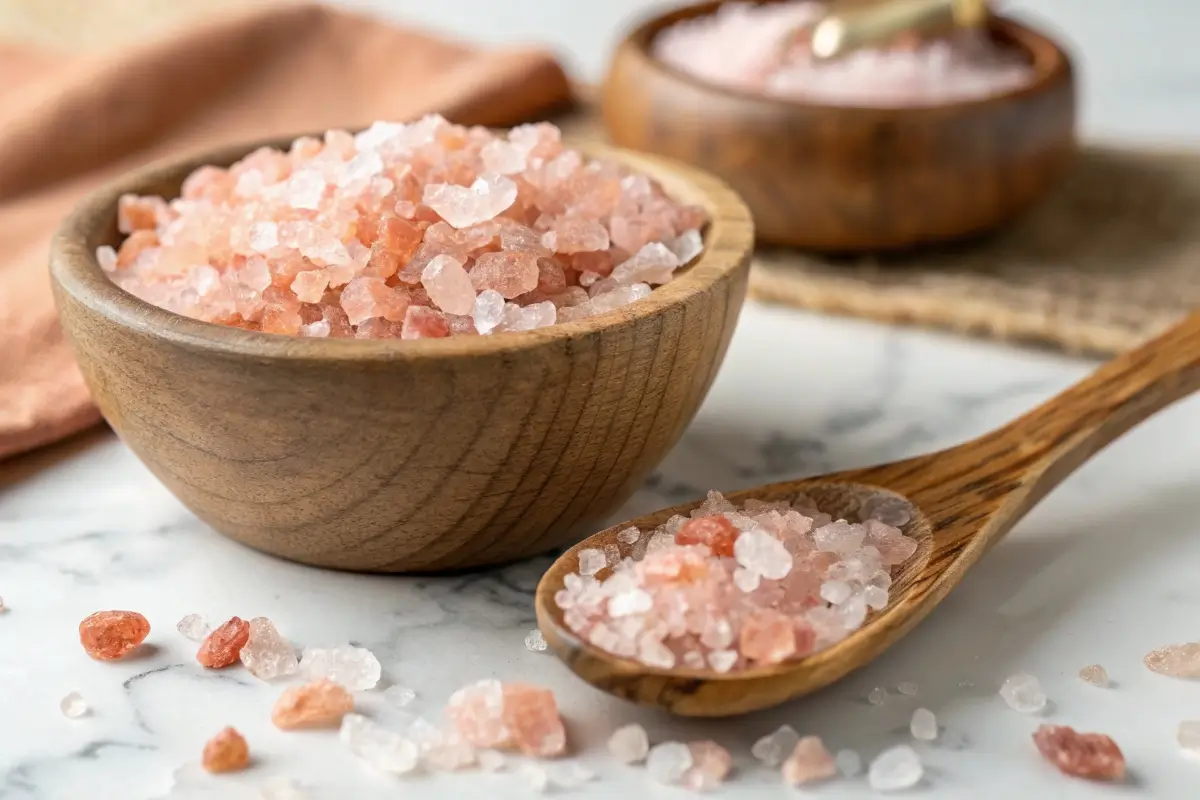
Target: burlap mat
(1106,262)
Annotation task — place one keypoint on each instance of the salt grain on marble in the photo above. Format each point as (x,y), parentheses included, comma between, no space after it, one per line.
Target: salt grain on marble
(629,744)
(1023,692)
(744,46)
(877,696)
(1188,738)
(414,231)
(1176,660)
(895,770)
(356,668)
(923,725)
(779,586)
(668,762)
(849,763)
(908,689)
(400,696)
(773,748)
(535,641)
(1094,674)
(194,627)
(73,706)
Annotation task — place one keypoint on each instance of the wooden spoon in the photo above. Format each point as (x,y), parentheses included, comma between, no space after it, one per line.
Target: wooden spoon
(964,498)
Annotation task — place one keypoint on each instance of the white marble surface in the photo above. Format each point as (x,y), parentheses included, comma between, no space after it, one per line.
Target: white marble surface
(1103,571)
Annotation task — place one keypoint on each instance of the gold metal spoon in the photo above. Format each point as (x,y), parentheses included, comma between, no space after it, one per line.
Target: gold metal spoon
(851,26)
(964,498)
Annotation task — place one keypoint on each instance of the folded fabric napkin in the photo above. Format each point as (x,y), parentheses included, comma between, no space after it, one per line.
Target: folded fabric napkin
(69,123)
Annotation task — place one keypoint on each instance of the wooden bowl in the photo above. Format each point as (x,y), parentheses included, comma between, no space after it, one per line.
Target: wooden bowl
(393,455)
(854,179)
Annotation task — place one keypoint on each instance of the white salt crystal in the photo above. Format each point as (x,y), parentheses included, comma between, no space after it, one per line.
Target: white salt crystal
(669,762)
(282,789)
(895,769)
(877,696)
(839,537)
(773,748)
(888,509)
(316,330)
(653,653)
(305,189)
(378,135)
(267,654)
(534,776)
(722,660)
(924,725)
(694,659)
(875,597)
(360,169)
(570,776)
(1023,692)
(687,246)
(194,627)
(629,535)
(503,158)
(836,592)
(849,763)
(746,580)
(628,603)
(264,236)
(490,760)
(535,641)
(591,561)
(73,706)
(462,207)
(854,612)
(449,285)
(629,744)
(381,749)
(355,668)
(1188,737)
(1094,674)
(489,310)
(760,552)
(907,688)
(400,696)
(654,263)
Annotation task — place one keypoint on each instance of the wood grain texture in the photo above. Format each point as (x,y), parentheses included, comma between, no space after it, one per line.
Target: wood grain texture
(967,498)
(403,455)
(854,179)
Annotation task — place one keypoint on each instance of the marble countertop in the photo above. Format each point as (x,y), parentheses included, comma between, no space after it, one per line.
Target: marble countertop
(1103,571)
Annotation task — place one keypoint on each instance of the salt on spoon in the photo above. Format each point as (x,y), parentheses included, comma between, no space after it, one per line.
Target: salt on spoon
(971,495)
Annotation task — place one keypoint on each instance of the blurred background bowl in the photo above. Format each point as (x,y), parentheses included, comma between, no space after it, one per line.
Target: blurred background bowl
(854,179)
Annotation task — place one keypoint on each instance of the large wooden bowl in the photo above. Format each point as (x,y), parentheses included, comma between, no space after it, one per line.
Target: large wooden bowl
(402,456)
(854,179)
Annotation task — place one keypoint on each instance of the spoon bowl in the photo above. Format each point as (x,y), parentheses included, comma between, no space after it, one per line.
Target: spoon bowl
(963,500)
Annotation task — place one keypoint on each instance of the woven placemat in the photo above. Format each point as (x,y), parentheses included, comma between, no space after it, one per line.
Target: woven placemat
(1110,259)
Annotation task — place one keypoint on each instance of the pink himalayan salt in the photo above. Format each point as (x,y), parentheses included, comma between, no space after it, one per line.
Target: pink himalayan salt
(509,716)
(339,237)
(743,46)
(711,764)
(670,601)
(809,762)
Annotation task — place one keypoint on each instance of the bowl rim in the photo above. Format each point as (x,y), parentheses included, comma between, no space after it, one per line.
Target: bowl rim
(1051,62)
(75,270)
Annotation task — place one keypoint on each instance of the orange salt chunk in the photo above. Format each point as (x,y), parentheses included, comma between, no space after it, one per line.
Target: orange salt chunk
(320,704)
(223,646)
(226,752)
(767,637)
(1081,755)
(111,635)
(715,532)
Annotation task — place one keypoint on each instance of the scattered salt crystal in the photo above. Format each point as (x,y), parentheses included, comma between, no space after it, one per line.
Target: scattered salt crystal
(267,654)
(711,764)
(488,311)
(773,748)
(73,706)
(628,603)
(535,776)
(875,597)
(1176,660)
(628,535)
(194,627)
(877,696)
(591,561)
(381,749)
(849,763)
(282,789)
(888,509)
(809,762)
(1094,674)
(924,725)
(535,641)
(687,246)
(356,668)
(668,762)
(895,769)
(839,537)
(400,696)
(570,776)
(448,285)
(491,760)
(907,688)
(629,744)
(836,592)
(1188,737)
(1093,756)
(1023,692)
(305,189)
(746,580)
(264,236)
(722,660)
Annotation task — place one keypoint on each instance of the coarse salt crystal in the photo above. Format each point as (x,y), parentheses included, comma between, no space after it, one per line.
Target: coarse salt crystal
(194,627)
(849,763)
(591,561)
(924,725)
(1188,738)
(1094,674)
(895,769)
(535,641)
(773,748)
(668,762)
(356,668)
(381,749)
(907,688)
(1023,692)
(73,706)
(400,696)
(629,744)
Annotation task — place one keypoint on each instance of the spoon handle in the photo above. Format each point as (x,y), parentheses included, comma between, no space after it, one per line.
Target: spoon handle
(1003,474)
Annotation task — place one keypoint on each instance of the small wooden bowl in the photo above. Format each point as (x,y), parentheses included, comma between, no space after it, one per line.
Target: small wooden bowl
(405,456)
(853,179)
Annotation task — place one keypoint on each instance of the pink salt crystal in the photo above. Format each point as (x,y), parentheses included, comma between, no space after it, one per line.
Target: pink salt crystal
(139,213)
(768,637)
(809,762)
(281,312)
(507,716)
(366,297)
(422,322)
(477,711)
(448,285)
(310,286)
(461,206)
(711,764)
(576,235)
(509,273)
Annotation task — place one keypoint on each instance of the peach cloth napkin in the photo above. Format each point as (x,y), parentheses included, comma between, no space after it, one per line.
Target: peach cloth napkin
(69,123)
